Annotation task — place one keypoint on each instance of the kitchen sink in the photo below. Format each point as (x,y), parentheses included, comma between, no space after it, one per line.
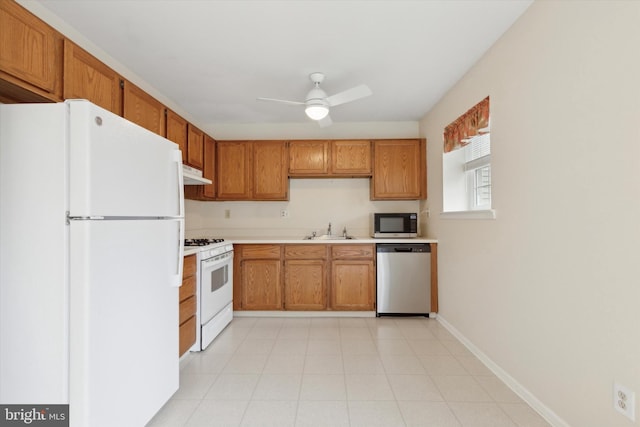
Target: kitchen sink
(329,237)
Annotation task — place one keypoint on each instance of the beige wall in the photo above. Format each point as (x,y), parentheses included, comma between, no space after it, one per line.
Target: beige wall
(549,291)
(313,203)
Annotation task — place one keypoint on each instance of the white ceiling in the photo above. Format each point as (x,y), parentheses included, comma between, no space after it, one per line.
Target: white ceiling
(214,58)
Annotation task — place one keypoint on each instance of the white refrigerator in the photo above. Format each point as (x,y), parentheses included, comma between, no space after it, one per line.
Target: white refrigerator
(91,245)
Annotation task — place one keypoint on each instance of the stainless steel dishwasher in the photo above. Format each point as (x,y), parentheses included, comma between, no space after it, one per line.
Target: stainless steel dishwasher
(403,279)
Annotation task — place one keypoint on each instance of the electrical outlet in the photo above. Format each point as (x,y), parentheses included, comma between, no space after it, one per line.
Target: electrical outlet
(284,213)
(227,213)
(624,401)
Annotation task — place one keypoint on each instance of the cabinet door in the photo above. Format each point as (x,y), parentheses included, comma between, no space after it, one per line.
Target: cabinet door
(308,158)
(195,143)
(270,180)
(85,77)
(30,55)
(305,284)
(177,132)
(205,192)
(352,285)
(233,168)
(142,109)
(399,170)
(209,169)
(351,157)
(261,284)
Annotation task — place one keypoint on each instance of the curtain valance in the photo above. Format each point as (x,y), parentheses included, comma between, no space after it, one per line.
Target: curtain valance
(459,132)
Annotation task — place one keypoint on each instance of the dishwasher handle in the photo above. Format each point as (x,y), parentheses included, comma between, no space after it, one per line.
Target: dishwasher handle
(403,248)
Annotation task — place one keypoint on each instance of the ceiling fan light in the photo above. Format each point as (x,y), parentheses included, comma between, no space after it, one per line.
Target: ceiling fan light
(316,112)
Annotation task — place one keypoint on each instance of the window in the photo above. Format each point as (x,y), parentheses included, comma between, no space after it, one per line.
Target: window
(477,168)
(467,162)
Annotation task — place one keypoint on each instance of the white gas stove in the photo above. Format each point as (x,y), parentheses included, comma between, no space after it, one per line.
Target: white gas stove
(214,289)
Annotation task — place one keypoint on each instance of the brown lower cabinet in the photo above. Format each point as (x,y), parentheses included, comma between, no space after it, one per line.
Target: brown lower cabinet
(187,305)
(353,277)
(257,277)
(304,277)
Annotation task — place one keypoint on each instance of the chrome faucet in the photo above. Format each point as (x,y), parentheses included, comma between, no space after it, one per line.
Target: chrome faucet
(344,232)
(329,230)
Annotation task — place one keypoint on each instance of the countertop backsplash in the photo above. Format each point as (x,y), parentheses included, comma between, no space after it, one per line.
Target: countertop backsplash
(313,203)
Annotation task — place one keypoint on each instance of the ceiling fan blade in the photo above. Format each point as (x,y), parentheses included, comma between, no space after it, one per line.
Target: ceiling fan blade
(323,123)
(349,95)
(284,101)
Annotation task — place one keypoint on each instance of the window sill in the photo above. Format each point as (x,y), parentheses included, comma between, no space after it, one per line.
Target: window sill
(483,214)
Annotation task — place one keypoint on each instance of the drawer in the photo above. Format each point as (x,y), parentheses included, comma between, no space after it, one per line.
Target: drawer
(188,288)
(305,251)
(187,309)
(259,251)
(189,266)
(187,335)
(352,251)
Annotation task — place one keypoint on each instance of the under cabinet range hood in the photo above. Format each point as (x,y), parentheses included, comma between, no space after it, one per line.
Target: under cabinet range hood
(193,176)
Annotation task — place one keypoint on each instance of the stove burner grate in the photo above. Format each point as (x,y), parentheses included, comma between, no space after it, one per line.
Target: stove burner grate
(201,242)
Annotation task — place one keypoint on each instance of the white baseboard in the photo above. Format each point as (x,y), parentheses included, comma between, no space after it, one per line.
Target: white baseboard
(538,406)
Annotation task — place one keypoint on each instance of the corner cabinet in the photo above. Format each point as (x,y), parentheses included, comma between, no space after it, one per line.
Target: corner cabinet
(195,144)
(205,192)
(251,170)
(399,169)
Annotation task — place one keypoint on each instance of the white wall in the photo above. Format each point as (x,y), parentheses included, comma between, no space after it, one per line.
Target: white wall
(549,290)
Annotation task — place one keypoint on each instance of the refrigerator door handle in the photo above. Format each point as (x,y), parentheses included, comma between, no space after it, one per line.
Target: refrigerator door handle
(178,163)
(177,277)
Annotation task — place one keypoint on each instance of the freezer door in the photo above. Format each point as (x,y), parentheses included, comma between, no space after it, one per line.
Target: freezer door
(118,168)
(123,321)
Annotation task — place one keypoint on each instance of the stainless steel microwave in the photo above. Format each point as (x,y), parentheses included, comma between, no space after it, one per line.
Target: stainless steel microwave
(388,225)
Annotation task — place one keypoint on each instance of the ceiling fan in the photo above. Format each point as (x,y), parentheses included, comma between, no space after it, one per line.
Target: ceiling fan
(317,102)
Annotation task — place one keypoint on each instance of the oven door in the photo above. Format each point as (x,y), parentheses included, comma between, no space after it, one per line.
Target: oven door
(216,285)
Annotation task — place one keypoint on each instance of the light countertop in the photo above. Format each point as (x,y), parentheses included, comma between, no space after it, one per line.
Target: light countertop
(355,240)
(190,250)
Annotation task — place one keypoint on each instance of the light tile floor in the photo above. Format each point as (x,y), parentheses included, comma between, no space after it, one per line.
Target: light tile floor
(340,372)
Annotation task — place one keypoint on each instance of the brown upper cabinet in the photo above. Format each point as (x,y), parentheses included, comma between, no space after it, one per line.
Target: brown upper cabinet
(195,144)
(85,77)
(351,157)
(399,169)
(318,158)
(205,192)
(31,54)
(142,109)
(251,170)
(308,158)
(177,132)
